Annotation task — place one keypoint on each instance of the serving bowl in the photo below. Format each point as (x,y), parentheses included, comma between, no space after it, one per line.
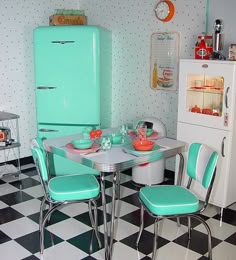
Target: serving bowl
(143,145)
(82,143)
(149,131)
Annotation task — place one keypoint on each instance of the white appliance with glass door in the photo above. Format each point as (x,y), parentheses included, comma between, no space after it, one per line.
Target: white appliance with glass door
(206,114)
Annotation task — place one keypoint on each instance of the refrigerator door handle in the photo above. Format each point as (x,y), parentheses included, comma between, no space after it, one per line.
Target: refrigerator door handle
(226,98)
(223,147)
(45,88)
(63,42)
(47,130)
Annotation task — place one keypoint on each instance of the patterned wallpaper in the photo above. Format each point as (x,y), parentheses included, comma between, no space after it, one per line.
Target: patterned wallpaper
(18,19)
(131,22)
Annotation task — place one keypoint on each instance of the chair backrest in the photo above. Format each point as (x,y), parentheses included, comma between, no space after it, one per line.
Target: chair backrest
(40,162)
(201,163)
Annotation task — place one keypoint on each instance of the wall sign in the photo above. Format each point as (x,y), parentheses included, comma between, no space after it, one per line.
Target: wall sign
(164,61)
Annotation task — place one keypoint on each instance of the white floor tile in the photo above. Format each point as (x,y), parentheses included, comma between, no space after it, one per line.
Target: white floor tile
(7,188)
(13,251)
(11,177)
(233,206)
(28,207)
(73,210)
(173,251)
(224,251)
(211,211)
(124,192)
(120,251)
(35,191)
(68,228)
(62,251)
(122,208)
(219,231)
(168,229)
(3,205)
(19,227)
(122,229)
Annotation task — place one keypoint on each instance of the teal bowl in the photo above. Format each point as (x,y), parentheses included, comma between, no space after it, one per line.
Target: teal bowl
(116,138)
(82,143)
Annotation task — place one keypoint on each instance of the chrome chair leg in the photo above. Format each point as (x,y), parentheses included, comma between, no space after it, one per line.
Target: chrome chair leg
(93,220)
(41,234)
(209,235)
(155,239)
(118,186)
(189,228)
(141,225)
(41,213)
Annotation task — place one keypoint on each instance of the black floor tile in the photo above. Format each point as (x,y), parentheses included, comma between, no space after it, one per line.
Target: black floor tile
(2,182)
(85,240)
(31,241)
(15,198)
(99,201)
(198,242)
(25,183)
(8,214)
(194,222)
(84,218)
(229,216)
(132,199)
(32,257)
(4,238)
(56,217)
(30,172)
(146,242)
(131,185)
(134,218)
(231,239)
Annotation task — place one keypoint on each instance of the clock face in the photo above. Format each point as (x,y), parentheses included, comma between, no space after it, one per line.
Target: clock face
(162,10)
(165,10)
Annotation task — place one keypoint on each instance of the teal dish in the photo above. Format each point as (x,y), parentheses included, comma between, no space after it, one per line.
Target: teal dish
(82,143)
(116,138)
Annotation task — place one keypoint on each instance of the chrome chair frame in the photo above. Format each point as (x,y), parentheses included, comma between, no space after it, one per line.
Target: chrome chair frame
(189,215)
(54,205)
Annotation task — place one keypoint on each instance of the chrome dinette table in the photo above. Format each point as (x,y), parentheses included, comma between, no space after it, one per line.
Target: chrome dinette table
(115,160)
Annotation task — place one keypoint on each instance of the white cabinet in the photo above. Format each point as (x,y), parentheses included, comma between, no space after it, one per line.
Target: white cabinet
(9,144)
(206,114)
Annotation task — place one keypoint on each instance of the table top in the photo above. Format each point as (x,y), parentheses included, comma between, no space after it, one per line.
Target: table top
(115,159)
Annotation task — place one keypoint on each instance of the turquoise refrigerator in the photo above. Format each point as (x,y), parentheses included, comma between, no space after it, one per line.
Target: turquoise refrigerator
(72,80)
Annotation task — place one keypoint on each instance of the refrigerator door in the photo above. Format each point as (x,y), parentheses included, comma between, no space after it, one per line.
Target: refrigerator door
(67,73)
(59,165)
(207,93)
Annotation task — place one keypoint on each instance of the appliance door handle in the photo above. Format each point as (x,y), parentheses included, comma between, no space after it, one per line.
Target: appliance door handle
(226,98)
(47,130)
(45,88)
(63,42)
(223,147)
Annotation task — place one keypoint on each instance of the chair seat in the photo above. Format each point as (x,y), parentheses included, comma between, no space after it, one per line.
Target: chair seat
(73,187)
(167,200)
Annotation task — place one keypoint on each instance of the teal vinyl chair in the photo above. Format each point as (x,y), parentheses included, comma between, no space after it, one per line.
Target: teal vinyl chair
(61,166)
(174,201)
(60,191)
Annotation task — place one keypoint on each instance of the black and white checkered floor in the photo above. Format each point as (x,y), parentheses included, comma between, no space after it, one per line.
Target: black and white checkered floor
(68,234)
